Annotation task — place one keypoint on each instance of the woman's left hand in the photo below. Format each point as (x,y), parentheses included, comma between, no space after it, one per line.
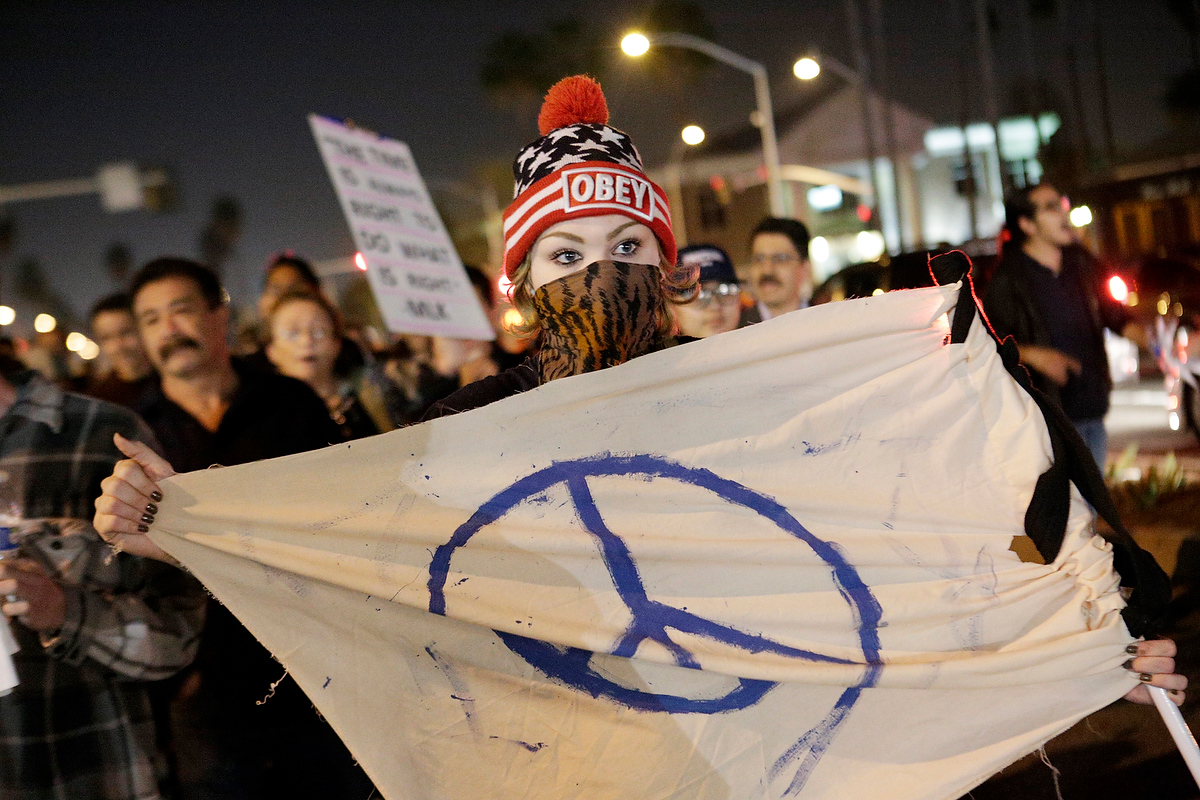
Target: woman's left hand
(1154,662)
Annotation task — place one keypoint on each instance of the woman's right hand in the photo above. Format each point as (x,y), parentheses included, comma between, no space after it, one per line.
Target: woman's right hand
(126,509)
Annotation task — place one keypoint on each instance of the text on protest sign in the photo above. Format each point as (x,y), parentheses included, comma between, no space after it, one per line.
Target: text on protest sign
(416,274)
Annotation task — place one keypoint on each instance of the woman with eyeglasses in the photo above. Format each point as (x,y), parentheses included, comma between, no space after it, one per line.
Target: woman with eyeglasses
(305,341)
(718,305)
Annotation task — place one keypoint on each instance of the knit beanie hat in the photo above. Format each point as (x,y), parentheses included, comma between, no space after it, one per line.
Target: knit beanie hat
(580,167)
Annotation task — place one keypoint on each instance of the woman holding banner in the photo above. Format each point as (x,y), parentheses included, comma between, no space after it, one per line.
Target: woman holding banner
(591,256)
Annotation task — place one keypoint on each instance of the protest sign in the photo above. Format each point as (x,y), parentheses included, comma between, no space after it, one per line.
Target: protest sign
(418,280)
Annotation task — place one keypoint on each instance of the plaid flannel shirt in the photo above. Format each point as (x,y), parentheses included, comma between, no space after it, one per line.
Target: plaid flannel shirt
(79,724)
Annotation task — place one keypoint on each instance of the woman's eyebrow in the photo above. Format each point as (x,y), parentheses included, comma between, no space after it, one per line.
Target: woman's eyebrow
(617,230)
(566,235)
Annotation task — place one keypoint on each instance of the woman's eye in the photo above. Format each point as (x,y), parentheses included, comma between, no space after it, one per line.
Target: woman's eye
(566,257)
(628,247)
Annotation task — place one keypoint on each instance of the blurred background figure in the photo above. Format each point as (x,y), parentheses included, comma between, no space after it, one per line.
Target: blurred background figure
(286,273)
(305,342)
(509,349)
(1048,295)
(48,354)
(454,363)
(355,366)
(97,630)
(717,307)
(127,372)
(781,275)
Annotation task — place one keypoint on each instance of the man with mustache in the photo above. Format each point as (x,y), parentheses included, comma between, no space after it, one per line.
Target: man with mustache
(781,278)
(211,409)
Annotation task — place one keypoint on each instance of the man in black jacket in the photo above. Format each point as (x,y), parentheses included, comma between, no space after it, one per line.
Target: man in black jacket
(210,409)
(1047,294)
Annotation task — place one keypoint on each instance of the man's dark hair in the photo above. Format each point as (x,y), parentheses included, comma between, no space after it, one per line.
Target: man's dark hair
(290,259)
(1017,206)
(172,267)
(794,229)
(114,302)
(482,283)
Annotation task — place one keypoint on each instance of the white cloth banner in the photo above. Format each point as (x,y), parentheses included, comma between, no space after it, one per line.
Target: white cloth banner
(774,563)
(8,649)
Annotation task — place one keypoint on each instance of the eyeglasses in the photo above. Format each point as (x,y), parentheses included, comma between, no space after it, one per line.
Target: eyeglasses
(315,334)
(758,259)
(723,293)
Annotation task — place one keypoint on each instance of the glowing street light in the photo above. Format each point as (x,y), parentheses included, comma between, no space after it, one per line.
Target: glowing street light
(44,323)
(692,134)
(76,341)
(89,350)
(818,248)
(806,68)
(1080,216)
(7,315)
(1118,289)
(638,44)
(635,44)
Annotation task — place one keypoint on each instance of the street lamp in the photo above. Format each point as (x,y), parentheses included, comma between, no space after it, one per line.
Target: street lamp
(806,68)
(637,44)
(809,67)
(691,135)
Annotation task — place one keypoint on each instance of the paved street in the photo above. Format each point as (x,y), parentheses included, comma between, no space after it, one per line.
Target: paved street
(1139,414)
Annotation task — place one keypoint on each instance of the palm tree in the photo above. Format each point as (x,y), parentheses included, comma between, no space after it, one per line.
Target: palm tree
(519,68)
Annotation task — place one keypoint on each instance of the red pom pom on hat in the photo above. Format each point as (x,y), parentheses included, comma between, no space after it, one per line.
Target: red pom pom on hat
(571,101)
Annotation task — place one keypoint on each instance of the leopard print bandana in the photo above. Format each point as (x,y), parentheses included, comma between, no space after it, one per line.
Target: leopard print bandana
(601,316)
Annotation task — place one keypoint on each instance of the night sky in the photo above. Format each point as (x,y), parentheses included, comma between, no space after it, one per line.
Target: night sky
(220,91)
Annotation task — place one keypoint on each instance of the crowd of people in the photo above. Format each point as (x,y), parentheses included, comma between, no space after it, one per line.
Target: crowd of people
(133,682)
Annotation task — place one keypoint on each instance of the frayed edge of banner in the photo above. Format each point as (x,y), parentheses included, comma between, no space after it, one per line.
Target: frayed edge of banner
(271,693)
(1054,771)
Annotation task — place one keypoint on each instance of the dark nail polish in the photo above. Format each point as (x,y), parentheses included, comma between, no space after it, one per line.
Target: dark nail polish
(147,518)
(143,529)
(156,496)
(1145,677)
(1132,649)
(1175,692)
(1128,664)
(151,509)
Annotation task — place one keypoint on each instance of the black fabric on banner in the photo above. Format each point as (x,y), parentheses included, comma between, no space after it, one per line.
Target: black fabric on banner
(1046,517)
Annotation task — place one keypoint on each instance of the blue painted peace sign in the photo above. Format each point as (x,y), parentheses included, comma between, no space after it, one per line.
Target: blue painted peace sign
(652,619)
